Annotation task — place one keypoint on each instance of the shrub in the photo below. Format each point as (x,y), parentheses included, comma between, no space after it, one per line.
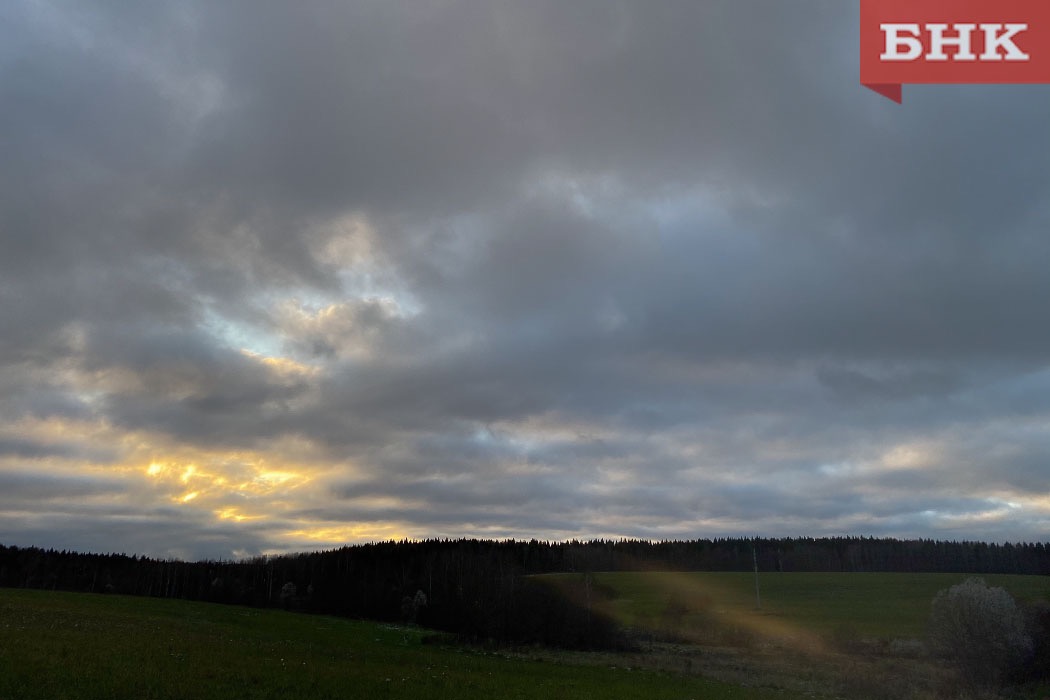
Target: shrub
(980,630)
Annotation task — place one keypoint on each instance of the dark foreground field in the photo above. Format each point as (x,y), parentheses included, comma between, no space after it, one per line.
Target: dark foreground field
(697,635)
(55,646)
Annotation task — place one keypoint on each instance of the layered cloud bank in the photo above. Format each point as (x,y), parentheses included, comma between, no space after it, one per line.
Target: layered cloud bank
(279,276)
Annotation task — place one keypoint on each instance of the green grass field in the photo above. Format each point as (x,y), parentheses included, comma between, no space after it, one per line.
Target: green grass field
(879,605)
(57,646)
(80,646)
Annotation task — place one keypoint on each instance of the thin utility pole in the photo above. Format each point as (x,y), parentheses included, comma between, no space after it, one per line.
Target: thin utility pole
(754,557)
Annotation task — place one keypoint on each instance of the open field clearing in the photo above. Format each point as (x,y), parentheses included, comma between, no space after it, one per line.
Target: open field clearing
(58,646)
(844,635)
(883,606)
(699,635)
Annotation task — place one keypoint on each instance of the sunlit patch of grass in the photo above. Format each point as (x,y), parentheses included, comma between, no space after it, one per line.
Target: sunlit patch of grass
(805,607)
(845,635)
(88,647)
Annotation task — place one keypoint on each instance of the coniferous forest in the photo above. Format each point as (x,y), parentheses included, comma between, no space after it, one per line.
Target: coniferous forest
(482,589)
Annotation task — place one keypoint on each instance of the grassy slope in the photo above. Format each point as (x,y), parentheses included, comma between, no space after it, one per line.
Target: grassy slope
(874,605)
(796,641)
(62,645)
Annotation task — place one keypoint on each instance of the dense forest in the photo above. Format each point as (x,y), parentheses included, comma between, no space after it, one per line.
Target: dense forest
(482,589)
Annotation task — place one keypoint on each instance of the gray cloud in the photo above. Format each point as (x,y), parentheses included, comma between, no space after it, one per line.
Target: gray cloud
(301,274)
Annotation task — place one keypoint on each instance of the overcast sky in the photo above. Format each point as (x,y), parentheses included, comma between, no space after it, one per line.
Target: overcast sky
(283,276)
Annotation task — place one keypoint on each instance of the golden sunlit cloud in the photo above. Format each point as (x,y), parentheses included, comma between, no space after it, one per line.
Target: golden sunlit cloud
(146,470)
(333,533)
(273,479)
(912,456)
(235,515)
(283,366)
(218,476)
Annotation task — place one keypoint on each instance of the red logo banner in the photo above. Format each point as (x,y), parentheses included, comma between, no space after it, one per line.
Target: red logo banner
(953,41)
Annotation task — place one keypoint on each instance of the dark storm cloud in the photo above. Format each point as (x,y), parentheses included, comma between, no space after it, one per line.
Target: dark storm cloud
(31,449)
(22,488)
(160,535)
(614,268)
(90,514)
(857,384)
(190,387)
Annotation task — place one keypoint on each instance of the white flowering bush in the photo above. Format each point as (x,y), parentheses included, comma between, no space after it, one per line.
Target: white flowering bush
(980,630)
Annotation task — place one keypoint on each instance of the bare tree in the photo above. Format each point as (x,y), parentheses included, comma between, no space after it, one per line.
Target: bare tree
(411,605)
(288,592)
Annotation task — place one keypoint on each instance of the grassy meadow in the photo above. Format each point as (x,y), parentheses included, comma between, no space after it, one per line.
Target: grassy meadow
(841,635)
(57,646)
(874,605)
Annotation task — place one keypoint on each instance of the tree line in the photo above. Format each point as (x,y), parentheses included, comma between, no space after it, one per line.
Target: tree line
(482,589)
